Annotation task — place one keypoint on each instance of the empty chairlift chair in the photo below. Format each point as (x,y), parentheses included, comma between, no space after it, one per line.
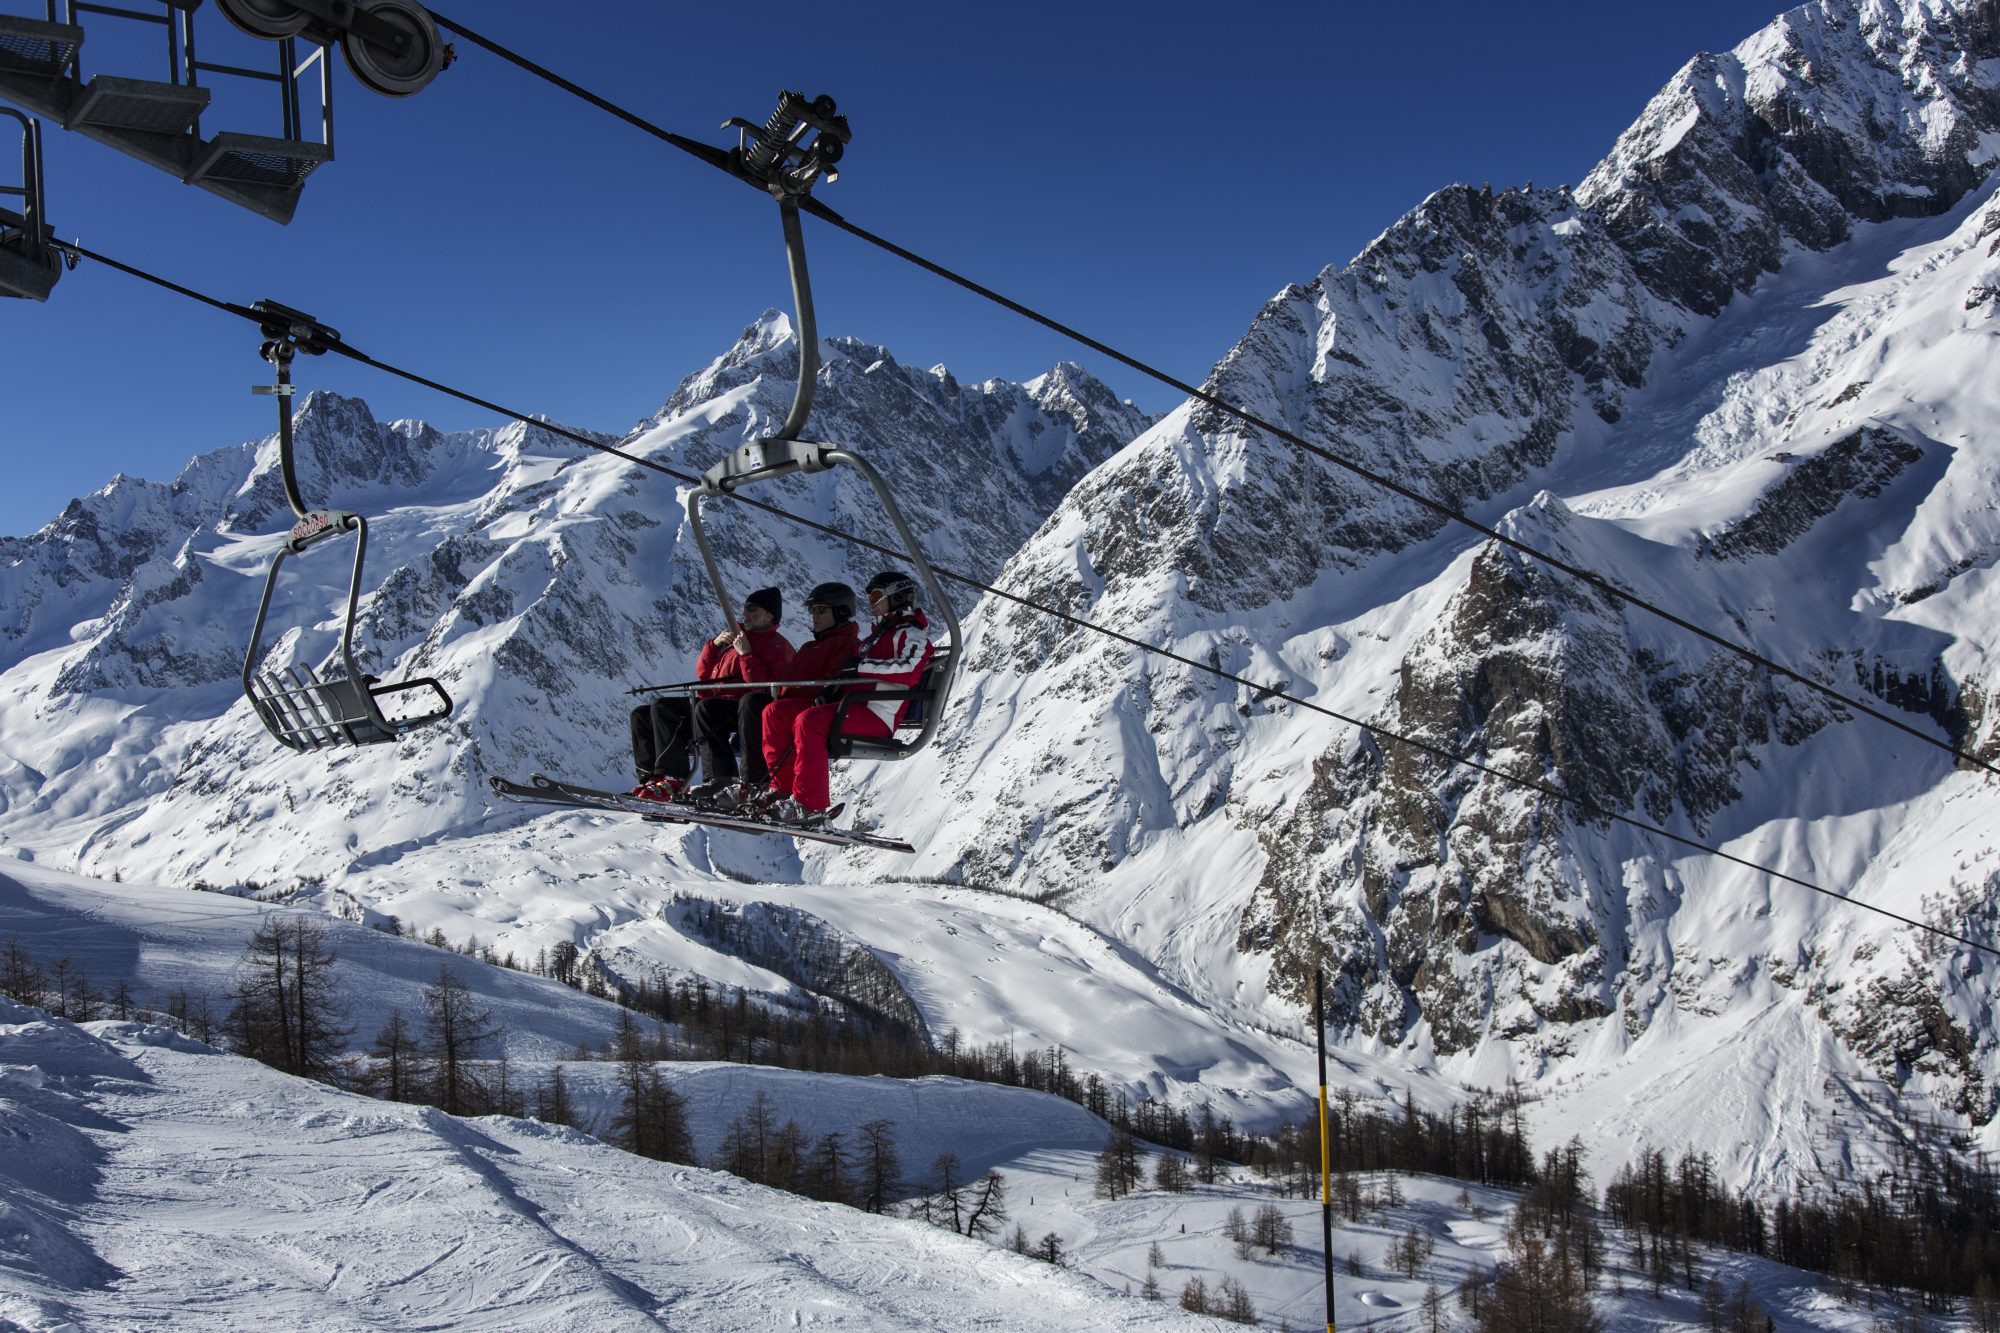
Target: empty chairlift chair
(300,708)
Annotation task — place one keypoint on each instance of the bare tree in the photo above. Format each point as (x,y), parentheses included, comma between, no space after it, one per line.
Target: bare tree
(397,1072)
(881,1170)
(987,1206)
(652,1117)
(828,1176)
(456,1029)
(1270,1231)
(70,993)
(1118,1166)
(1538,1289)
(21,978)
(552,1104)
(1231,1301)
(747,1144)
(286,1008)
(1431,1310)
(943,1200)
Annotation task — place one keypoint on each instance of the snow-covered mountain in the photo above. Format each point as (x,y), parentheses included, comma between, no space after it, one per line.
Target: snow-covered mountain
(536,578)
(1745,368)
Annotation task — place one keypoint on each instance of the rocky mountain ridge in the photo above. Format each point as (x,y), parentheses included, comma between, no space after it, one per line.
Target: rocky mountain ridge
(1652,347)
(1738,366)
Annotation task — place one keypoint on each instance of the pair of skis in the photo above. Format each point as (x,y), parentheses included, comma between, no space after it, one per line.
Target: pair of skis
(541,789)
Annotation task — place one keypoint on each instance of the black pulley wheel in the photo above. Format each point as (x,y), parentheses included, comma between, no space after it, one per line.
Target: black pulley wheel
(385,69)
(269,19)
(824,107)
(828,149)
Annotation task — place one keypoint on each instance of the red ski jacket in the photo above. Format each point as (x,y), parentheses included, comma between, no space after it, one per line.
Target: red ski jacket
(822,658)
(900,650)
(770,658)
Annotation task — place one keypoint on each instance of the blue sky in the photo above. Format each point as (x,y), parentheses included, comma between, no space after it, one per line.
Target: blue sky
(1150,173)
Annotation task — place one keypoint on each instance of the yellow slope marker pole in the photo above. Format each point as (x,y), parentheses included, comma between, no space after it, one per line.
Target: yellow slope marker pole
(1325,1149)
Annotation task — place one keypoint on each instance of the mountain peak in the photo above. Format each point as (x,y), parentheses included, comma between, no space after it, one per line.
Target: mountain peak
(1836,112)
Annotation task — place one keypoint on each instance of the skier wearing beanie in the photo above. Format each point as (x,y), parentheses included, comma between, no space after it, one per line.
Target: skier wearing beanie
(667,731)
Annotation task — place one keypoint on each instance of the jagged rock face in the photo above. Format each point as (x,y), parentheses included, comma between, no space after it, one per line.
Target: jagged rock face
(1860,464)
(1446,894)
(1448,359)
(1839,112)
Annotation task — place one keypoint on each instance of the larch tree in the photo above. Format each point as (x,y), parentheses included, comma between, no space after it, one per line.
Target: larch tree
(880,1170)
(457,1028)
(285,1009)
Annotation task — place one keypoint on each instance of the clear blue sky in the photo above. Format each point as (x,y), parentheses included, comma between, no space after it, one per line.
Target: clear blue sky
(1150,173)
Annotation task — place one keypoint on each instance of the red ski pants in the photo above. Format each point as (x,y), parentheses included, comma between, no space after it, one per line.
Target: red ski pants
(795,732)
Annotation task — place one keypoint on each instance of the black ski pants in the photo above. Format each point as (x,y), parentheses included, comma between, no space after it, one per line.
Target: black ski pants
(669,732)
(746,722)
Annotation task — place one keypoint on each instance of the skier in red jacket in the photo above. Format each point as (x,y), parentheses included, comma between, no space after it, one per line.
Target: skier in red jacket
(895,653)
(833,648)
(668,731)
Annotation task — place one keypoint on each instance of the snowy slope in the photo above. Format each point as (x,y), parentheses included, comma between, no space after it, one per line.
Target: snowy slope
(155,1181)
(1745,366)
(164,1184)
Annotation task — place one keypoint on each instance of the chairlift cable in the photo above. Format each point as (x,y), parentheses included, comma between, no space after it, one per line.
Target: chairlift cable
(1262,689)
(719,159)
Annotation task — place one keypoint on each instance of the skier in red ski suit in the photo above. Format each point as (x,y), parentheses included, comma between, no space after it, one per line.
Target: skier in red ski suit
(667,731)
(796,729)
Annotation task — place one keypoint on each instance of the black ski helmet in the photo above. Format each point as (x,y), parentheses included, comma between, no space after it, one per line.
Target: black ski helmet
(836,596)
(899,590)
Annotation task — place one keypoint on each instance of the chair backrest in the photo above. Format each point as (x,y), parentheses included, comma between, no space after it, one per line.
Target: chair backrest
(301,709)
(922,698)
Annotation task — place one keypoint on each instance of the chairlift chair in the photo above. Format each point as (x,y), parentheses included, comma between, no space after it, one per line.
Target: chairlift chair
(779,156)
(299,707)
(29,265)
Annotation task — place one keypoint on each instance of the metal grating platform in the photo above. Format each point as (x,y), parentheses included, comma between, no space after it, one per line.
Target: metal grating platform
(30,46)
(263,175)
(24,278)
(248,159)
(115,103)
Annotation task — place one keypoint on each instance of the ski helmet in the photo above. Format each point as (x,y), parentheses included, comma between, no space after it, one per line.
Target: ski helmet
(899,590)
(836,597)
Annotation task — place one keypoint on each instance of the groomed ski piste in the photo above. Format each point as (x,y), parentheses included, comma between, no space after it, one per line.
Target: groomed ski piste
(149,1180)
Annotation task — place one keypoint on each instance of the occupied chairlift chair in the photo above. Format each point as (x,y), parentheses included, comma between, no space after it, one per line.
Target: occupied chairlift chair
(778,157)
(29,265)
(390,45)
(300,708)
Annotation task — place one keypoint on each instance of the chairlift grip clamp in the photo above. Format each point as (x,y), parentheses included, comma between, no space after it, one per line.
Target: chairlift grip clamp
(777,158)
(287,331)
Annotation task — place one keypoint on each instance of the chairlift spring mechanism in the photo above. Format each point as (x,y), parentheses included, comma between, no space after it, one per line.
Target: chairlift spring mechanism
(301,709)
(779,157)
